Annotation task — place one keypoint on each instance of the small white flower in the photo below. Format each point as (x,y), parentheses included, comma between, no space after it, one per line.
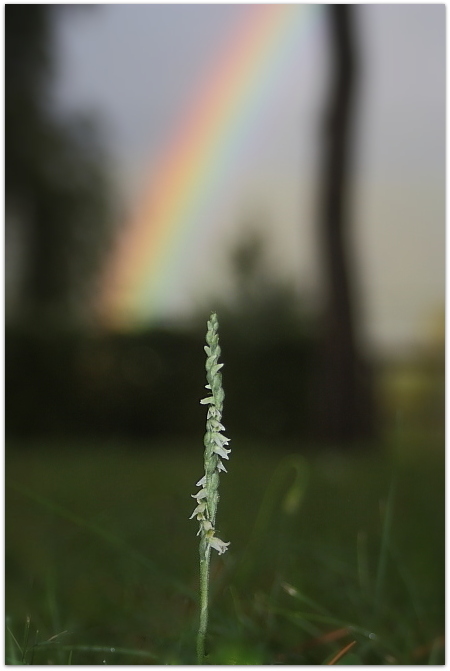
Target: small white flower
(217,544)
(213,413)
(207,526)
(200,509)
(201,482)
(217,426)
(222,451)
(218,439)
(221,467)
(202,494)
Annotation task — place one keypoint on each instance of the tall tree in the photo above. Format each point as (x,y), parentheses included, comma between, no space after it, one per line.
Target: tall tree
(56,188)
(346,401)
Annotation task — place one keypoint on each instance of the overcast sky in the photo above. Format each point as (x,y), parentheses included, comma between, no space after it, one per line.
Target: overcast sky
(136,67)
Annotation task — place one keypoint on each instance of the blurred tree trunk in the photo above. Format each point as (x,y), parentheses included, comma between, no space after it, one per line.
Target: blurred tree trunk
(57,191)
(345,398)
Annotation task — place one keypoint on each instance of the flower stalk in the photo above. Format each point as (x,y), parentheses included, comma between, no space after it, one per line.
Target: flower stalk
(208,496)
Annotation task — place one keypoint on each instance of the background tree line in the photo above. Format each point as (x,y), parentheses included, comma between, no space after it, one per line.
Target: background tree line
(286,373)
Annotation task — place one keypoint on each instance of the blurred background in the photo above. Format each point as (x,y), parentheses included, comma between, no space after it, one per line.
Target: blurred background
(163,161)
(282,165)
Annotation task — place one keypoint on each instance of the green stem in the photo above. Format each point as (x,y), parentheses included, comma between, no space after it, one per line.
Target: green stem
(205,552)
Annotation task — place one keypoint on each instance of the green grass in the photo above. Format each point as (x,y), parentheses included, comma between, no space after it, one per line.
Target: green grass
(326,550)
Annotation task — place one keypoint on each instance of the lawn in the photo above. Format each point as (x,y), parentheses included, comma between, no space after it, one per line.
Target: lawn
(330,553)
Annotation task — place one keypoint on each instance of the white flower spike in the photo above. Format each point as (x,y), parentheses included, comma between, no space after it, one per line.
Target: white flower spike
(208,496)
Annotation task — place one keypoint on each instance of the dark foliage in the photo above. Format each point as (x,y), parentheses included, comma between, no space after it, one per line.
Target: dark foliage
(150,384)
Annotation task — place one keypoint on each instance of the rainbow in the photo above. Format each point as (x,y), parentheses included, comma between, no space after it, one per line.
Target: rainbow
(167,229)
